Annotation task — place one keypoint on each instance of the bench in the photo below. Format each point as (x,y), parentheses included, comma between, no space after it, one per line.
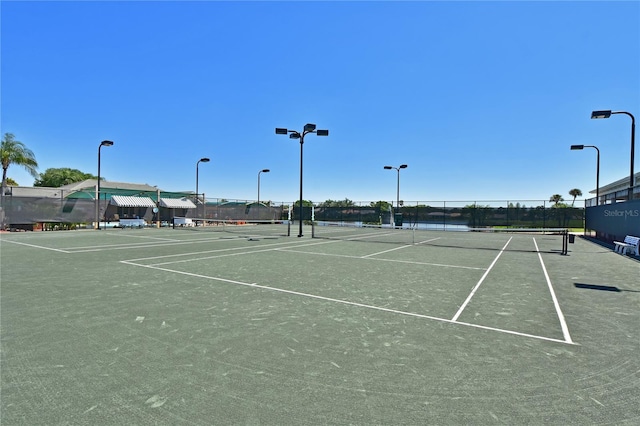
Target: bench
(630,243)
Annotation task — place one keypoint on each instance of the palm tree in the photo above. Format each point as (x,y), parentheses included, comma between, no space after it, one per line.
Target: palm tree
(556,198)
(15,152)
(575,192)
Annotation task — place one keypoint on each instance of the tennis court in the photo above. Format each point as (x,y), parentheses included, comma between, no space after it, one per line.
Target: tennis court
(244,326)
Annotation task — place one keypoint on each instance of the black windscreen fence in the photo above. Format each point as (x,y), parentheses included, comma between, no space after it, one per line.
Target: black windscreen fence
(81,208)
(443,216)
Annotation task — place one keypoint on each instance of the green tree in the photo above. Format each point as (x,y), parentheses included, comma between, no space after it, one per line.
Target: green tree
(11,182)
(476,214)
(55,178)
(382,205)
(575,192)
(555,199)
(15,152)
(333,203)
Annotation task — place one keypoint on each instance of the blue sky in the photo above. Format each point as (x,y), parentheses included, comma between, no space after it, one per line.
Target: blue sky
(481,99)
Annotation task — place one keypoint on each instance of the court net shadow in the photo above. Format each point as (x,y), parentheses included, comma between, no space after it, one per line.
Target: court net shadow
(603,288)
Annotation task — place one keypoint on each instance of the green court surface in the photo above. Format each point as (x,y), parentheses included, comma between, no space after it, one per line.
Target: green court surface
(175,327)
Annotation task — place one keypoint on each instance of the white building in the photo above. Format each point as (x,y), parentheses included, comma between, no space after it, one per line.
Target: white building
(617,191)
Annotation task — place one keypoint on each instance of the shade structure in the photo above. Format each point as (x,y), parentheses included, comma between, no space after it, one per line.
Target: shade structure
(128,201)
(177,203)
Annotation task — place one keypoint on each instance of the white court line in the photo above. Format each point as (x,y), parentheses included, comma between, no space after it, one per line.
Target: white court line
(345,302)
(357,237)
(385,251)
(466,302)
(35,246)
(290,248)
(412,262)
(398,248)
(225,255)
(249,251)
(123,235)
(120,246)
(563,323)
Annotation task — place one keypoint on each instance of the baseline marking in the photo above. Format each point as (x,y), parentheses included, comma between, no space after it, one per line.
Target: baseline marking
(345,302)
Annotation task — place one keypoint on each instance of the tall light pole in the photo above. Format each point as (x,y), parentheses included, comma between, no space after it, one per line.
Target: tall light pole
(294,134)
(261,171)
(578,147)
(402,166)
(607,114)
(202,160)
(103,143)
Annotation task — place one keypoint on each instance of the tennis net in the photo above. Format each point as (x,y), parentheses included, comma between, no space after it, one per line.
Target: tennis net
(551,240)
(242,228)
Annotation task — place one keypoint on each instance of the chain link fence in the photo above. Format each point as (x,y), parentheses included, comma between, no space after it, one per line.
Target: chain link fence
(42,208)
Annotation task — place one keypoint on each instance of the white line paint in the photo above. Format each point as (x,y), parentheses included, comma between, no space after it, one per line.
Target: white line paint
(345,302)
(35,246)
(385,251)
(191,274)
(274,246)
(126,246)
(428,241)
(466,302)
(143,237)
(223,255)
(411,262)
(563,323)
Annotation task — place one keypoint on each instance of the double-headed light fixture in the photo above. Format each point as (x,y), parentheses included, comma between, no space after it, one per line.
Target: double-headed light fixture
(294,134)
(402,166)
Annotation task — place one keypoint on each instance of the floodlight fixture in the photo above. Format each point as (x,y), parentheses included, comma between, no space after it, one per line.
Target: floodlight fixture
(261,171)
(579,147)
(402,166)
(293,134)
(607,114)
(202,160)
